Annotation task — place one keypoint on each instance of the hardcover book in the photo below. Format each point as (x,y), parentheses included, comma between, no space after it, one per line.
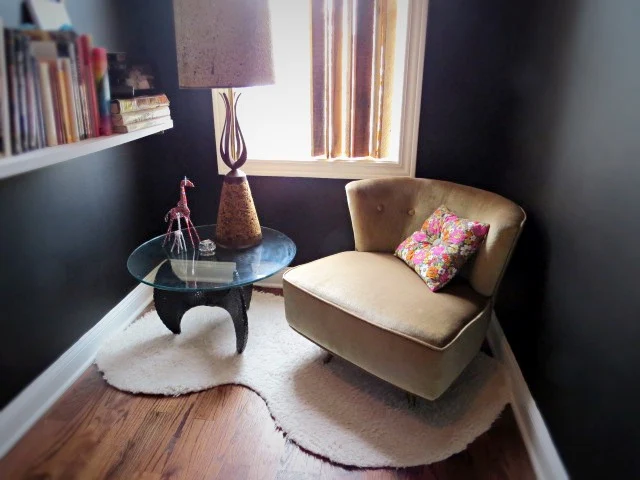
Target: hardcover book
(14,103)
(139,103)
(119,119)
(64,103)
(47,90)
(134,127)
(47,105)
(57,102)
(85,48)
(20,48)
(5,125)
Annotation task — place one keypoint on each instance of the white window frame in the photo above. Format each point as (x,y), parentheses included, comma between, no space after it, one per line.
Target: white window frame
(355,169)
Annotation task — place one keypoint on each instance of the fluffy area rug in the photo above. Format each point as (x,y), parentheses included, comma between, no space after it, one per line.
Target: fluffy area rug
(333,409)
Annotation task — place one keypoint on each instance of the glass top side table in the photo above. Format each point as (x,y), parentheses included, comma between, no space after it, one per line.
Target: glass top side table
(188,279)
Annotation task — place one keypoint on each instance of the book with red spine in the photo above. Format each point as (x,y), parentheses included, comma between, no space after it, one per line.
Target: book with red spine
(103,94)
(86,52)
(84,94)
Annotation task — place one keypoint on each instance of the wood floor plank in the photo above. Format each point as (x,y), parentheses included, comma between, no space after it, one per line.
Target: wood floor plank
(148,447)
(62,431)
(110,429)
(194,456)
(83,395)
(97,432)
(225,432)
(224,401)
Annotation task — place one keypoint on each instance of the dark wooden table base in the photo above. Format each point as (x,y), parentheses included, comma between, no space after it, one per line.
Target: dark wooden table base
(172,305)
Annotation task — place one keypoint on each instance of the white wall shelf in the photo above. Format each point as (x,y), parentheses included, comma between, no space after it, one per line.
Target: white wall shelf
(26,162)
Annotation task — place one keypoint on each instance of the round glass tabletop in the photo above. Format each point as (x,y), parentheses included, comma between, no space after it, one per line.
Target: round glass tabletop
(154,264)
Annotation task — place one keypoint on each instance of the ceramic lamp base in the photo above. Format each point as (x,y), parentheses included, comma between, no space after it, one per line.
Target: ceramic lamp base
(238,225)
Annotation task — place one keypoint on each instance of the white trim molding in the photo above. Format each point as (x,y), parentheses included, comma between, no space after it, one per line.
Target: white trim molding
(405,166)
(542,451)
(33,402)
(25,162)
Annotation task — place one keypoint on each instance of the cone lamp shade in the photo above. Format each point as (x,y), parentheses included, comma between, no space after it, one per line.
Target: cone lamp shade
(227,44)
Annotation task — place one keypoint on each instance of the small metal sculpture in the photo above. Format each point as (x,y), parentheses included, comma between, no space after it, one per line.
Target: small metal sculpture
(181,210)
(178,238)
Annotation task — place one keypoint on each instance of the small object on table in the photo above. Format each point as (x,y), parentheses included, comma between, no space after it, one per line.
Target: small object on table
(181,210)
(207,247)
(176,290)
(178,238)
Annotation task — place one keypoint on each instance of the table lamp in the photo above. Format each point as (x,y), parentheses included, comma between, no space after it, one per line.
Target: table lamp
(227,44)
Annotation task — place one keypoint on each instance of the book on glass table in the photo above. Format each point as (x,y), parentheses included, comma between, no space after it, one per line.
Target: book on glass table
(203,270)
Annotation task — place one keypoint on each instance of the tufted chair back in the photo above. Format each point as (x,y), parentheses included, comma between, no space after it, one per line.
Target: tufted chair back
(387,210)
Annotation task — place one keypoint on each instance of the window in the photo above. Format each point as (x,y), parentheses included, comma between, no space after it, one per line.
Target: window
(329,115)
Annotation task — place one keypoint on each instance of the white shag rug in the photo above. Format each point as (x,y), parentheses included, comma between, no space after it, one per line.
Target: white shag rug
(334,409)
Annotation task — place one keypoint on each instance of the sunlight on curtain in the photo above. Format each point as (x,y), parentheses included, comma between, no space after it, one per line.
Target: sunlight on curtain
(402,35)
(277,120)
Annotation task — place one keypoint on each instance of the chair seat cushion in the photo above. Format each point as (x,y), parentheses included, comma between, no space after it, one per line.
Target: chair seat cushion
(379,289)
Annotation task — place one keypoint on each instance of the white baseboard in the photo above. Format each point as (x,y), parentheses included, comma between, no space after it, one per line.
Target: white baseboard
(544,456)
(30,404)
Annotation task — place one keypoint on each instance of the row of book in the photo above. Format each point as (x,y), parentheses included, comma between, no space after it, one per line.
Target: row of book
(54,90)
(48,89)
(133,114)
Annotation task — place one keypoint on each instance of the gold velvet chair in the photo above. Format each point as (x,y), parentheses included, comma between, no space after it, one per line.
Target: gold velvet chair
(370,308)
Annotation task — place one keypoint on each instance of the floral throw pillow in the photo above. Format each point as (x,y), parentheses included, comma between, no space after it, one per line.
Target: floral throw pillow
(439,249)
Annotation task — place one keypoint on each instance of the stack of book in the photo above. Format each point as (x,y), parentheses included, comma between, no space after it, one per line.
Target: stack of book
(48,93)
(53,91)
(132,114)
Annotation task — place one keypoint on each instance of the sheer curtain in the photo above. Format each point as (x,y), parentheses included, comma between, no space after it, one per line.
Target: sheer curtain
(275,119)
(339,83)
(353,45)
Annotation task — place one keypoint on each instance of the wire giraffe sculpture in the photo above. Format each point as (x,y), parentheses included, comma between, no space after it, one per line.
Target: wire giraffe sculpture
(181,210)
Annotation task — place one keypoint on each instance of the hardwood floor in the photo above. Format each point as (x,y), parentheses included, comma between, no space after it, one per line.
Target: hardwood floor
(97,432)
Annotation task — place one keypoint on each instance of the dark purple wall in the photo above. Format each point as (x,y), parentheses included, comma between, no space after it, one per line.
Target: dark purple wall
(499,112)
(537,102)
(570,303)
(66,233)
